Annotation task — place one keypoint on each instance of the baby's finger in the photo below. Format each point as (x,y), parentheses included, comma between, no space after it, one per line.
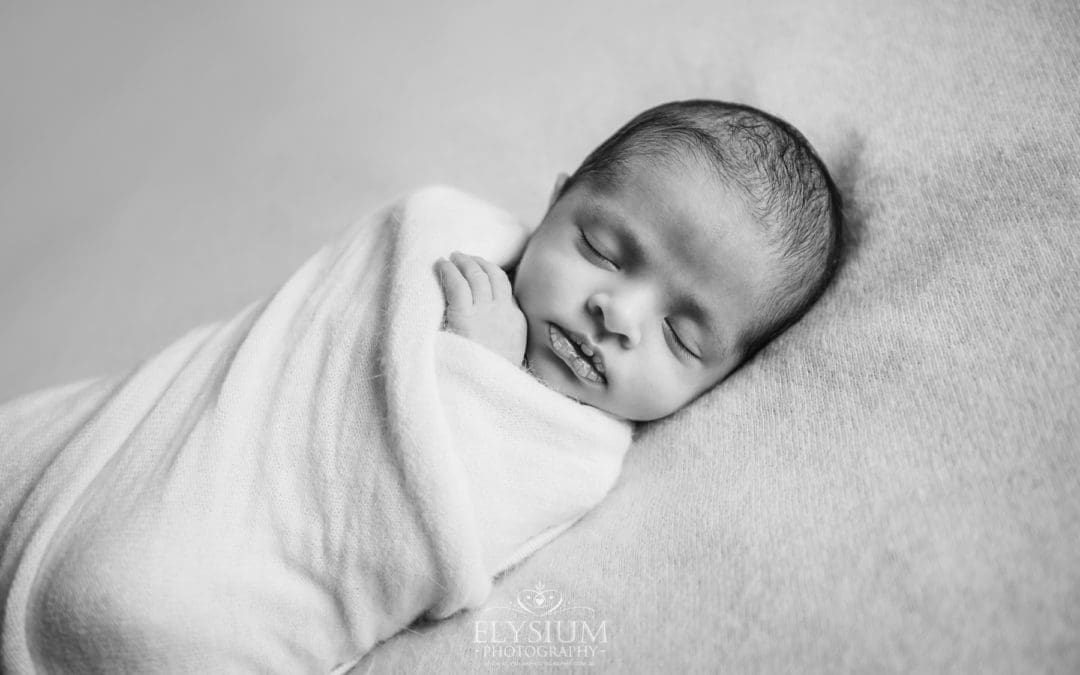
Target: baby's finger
(455,287)
(475,275)
(500,283)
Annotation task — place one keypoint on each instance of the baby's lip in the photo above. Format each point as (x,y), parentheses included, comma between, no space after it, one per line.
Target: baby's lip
(589,348)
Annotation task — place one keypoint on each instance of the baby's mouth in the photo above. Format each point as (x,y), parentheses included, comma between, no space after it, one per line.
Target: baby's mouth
(582,359)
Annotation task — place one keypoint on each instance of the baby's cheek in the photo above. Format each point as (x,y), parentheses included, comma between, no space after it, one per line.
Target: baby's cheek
(652,395)
(540,290)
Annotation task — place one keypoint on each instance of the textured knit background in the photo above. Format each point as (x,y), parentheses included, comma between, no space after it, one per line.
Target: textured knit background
(894,485)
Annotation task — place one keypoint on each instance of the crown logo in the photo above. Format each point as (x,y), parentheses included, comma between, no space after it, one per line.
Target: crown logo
(540,601)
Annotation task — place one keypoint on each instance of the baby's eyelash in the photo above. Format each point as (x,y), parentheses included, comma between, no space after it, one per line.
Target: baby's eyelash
(592,252)
(678,341)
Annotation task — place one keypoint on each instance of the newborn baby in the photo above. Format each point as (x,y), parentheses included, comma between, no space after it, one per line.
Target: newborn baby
(682,245)
(280,491)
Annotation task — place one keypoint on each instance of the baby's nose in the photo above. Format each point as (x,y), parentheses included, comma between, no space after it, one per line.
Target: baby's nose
(617,315)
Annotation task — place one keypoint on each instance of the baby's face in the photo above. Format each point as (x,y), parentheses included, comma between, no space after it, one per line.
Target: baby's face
(636,297)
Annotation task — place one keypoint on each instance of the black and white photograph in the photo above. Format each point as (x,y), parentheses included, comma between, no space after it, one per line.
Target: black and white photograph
(361,337)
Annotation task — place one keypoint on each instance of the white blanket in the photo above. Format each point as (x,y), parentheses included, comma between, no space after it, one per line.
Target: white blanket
(279,492)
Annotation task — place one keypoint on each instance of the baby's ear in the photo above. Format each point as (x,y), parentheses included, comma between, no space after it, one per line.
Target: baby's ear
(560,181)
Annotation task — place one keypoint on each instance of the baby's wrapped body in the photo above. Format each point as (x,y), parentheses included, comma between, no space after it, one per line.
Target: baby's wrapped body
(278,492)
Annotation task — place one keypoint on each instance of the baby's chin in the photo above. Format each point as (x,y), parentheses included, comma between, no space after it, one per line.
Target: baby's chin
(546,367)
(543,365)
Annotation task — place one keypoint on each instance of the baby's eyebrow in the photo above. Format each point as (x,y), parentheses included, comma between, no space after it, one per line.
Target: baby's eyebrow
(634,250)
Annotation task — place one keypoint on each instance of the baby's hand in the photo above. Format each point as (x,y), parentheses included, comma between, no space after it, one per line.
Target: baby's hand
(480,304)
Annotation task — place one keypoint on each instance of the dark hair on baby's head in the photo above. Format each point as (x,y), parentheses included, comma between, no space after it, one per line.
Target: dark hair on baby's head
(785,186)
